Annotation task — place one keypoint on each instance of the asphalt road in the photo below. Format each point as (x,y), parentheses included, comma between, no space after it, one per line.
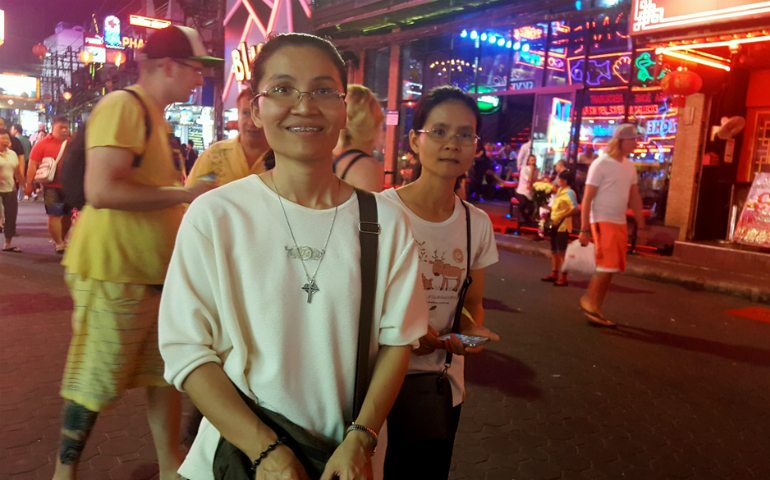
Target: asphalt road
(677,391)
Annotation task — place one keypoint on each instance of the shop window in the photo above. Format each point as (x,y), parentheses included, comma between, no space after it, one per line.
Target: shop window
(657,123)
(462,66)
(377,72)
(552,129)
(412,62)
(440,52)
(495,58)
(528,61)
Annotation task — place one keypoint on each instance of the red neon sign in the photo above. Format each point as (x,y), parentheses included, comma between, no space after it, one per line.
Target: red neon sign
(663,15)
(148,22)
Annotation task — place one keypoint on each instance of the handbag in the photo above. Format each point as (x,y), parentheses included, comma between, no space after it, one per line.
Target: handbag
(46,172)
(551,228)
(312,451)
(424,408)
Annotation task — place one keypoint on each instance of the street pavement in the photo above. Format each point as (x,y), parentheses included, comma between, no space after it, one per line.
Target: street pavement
(677,391)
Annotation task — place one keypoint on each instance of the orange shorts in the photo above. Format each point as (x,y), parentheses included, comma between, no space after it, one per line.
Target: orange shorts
(611,241)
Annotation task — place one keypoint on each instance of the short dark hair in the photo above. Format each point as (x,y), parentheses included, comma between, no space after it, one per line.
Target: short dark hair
(4,131)
(190,142)
(566,175)
(277,42)
(17,127)
(436,97)
(61,119)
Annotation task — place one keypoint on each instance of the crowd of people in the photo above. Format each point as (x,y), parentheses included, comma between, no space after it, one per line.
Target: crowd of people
(302,366)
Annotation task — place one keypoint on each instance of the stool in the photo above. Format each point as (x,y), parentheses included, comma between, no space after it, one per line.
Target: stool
(514,201)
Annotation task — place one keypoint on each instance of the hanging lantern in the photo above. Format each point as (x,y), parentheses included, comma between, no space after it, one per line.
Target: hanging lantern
(679,84)
(40,50)
(67,96)
(120,59)
(86,57)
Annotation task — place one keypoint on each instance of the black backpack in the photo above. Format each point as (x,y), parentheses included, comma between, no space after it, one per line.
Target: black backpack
(73,170)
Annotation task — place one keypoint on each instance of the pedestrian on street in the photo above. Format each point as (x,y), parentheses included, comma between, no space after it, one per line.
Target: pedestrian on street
(611,187)
(10,175)
(235,158)
(456,243)
(524,153)
(121,247)
(564,206)
(190,156)
(18,132)
(58,211)
(39,135)
(260,312)
(353,160)
(527,177)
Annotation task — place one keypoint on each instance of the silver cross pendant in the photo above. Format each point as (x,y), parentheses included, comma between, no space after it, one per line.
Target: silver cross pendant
(311,289)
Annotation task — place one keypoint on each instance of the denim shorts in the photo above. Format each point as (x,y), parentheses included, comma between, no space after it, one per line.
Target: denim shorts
(54,202)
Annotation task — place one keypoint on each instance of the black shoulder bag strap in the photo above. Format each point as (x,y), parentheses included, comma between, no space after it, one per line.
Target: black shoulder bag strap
(147,125)
(361,154)
(466,284)
(369,230)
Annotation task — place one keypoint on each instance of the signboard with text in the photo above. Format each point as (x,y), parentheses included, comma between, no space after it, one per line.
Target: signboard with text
(18,86)
(753,226)
(653,16)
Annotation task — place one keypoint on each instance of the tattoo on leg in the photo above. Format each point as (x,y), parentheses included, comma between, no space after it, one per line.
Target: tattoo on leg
(77,423)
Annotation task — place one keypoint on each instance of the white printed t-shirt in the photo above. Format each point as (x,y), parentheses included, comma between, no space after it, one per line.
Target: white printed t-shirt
(446,242)
(613,180)
(525,182)
(9,162)
(233,296)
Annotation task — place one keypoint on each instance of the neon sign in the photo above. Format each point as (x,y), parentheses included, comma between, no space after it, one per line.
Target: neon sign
(559,125)
(663,127)
(130,42)
(242,61)
(148,22)
(112,32)
(561,109)
(528,33)
(488,103)
(661,15)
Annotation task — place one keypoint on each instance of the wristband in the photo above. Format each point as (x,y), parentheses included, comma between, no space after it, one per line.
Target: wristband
(362,428)
(264,454)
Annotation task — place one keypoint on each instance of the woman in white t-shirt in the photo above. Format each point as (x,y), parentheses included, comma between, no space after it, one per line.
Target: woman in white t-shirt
(445,123)
(260,308)
(527,178)
(9,175)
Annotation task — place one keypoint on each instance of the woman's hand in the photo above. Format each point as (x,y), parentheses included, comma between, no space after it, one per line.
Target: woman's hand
(352,460)
(281,464)
(429,343)
(455,345)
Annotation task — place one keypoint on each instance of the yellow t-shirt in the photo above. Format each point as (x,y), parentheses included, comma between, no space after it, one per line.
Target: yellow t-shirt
(120,246)
(563,204)
(227,160)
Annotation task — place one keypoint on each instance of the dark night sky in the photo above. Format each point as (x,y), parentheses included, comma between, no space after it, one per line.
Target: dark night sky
(29,22)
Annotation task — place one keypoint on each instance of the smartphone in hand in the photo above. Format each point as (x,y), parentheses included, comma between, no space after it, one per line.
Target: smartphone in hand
(469,341)
(211,176)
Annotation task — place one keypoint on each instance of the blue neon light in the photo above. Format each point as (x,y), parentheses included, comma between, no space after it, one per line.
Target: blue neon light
(509,44)
(492,39)
(517,45)
(501,42)
(474,35)
(483,37)
(525,47)
(464,33)
(578,5)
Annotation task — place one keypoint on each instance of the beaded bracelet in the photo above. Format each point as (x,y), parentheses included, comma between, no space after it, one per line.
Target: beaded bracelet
(264,454)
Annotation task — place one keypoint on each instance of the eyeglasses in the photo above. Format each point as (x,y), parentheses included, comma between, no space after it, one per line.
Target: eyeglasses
(442,136)
(290,96)
(197,70)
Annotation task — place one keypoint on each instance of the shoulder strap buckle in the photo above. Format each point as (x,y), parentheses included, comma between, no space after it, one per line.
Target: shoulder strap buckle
(369,227)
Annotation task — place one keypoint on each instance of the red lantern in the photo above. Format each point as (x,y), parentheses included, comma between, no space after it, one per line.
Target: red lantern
(679,84)
(120,59)
(40,50)
(86,57)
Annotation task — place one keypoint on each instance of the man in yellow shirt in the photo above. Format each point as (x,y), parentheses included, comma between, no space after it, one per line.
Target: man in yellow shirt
(121,248)
(238,157)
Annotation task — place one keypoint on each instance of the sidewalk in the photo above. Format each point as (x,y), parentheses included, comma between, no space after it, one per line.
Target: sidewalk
(664,269)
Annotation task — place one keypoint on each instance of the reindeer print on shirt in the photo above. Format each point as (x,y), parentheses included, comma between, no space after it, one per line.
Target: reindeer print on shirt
(447,271)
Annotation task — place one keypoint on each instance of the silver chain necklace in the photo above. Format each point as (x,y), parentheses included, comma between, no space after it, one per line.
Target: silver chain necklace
(311,288)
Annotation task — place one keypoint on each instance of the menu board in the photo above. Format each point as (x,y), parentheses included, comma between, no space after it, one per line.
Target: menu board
(753,226)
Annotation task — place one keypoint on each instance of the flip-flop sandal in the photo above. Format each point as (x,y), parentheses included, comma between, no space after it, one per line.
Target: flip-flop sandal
(60,249)
(560,283)
(12,249)
(597,318)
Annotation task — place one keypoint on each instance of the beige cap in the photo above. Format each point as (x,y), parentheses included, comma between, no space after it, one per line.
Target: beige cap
(625,131)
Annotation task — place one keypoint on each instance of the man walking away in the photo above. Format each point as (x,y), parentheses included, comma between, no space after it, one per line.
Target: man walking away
(18,132)
(611,187)
(59,213)
(190,156)
(121,247)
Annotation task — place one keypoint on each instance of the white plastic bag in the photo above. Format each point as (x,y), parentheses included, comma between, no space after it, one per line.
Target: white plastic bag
(580,259)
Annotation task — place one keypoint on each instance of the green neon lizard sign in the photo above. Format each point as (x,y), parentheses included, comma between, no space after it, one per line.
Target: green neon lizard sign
(643,63)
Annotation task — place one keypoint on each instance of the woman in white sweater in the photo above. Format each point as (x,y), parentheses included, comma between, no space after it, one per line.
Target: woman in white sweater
(261,304)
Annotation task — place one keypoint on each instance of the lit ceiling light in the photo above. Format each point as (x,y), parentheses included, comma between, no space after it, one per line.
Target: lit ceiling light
(693,58)
(464,33)
(509,44)
(517,45)
(492,39)
(525,48)
(474,34)
(501,42)
(483,37)
(10,102)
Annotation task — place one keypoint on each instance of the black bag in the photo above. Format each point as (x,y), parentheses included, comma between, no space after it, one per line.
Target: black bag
(551,228)
(424,409)
(73,170)
(314,452)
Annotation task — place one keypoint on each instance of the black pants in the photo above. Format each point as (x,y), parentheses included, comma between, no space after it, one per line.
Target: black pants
(421,461)
(526,208)
(11,209)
